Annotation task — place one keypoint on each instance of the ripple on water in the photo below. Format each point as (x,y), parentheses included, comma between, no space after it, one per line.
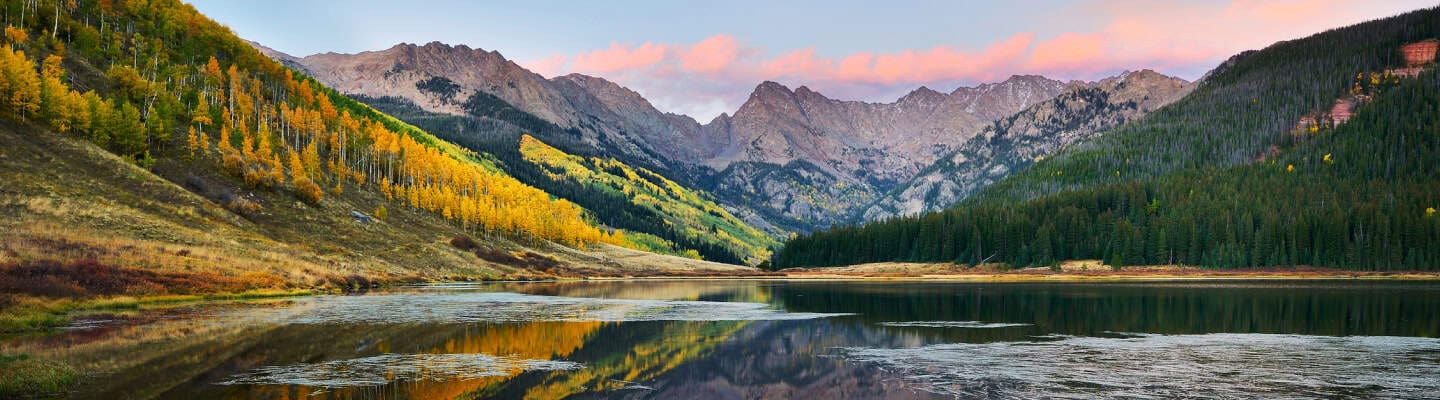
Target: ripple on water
(386,368)
(1161,366)
(953,324)
(514,307)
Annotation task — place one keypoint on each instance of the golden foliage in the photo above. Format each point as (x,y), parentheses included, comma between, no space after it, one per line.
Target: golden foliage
(16,35)
(20,84)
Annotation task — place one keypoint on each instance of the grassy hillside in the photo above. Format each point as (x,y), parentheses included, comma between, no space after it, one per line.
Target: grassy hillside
(1220,179)
(684,217)
(146,151)
(679,221)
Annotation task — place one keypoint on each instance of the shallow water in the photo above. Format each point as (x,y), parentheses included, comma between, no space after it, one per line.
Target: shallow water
(778,339)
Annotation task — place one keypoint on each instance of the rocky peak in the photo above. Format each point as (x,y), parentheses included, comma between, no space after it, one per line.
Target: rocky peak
(991,101)
(921,95)
(1080,111)
(767,95)
(605,90)
(804,93)
(287,60)
(771,89)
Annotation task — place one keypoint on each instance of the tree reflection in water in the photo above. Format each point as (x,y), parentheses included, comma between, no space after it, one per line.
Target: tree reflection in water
(669,339)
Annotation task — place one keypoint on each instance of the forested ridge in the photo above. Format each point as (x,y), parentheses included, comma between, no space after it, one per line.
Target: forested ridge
(686,217)
(663,223)
(1221,178)
(159,79)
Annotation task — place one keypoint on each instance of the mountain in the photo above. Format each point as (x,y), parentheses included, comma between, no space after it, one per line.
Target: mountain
(811,159)
(786,160)
(212,169)
(461,81)
(1014,142)
(863,142)
(480,99)
(284,59)
(1320,151)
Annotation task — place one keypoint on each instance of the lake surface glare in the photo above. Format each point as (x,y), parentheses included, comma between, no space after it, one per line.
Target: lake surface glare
(777,339)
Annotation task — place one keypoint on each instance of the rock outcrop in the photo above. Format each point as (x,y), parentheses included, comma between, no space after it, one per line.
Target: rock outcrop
(1081,112)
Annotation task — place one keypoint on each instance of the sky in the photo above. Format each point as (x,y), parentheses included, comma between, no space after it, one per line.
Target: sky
(702,58)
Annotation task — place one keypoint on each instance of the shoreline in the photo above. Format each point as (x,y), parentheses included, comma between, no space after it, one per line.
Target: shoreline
(1023,278)
(1016,278)
(34,313)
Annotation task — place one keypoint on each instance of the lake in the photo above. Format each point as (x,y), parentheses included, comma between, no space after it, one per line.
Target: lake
(732,339)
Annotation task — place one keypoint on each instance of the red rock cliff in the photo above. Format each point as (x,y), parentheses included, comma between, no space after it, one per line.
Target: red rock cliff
(1420,53)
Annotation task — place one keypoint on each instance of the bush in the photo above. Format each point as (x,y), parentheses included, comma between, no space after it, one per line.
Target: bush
(350,283)
(527,260)
(87,277)
(497,256)
(309,191)
(197,184)
(22,376)
(241,205)
(464,243)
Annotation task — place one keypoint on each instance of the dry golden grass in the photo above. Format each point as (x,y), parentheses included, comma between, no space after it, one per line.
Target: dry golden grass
(201,252)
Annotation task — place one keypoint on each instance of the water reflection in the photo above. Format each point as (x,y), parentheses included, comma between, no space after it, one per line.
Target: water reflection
(1171,366)
(777,339)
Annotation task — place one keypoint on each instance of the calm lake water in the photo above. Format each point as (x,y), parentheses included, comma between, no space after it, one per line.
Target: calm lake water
(778,339)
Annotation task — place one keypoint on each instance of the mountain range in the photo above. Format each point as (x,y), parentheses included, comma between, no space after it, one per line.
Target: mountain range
(787,160)
(1317,151)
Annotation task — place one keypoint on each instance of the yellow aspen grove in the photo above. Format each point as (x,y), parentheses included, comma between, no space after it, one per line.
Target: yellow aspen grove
(201,115)
(192,142)
(204,144)
(327,109)
(54,95)
(247,145)
(15,34)
(277,173)
(297,169)
(21,85)
(212,70)
(292,134)
(310,161)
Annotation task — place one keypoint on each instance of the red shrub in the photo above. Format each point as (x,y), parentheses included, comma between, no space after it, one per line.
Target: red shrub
(88,277)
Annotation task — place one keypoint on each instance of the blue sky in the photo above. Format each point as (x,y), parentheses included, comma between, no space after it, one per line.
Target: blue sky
(533,29)
(702,58)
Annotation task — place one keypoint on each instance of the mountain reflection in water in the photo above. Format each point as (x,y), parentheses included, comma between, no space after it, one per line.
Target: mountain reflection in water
(777,339)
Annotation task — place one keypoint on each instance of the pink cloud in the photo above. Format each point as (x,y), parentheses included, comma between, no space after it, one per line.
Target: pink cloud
(619,58)
(1068,51)
(717,73)
(548,66)
(796,63)
(855,67)
(710,55)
